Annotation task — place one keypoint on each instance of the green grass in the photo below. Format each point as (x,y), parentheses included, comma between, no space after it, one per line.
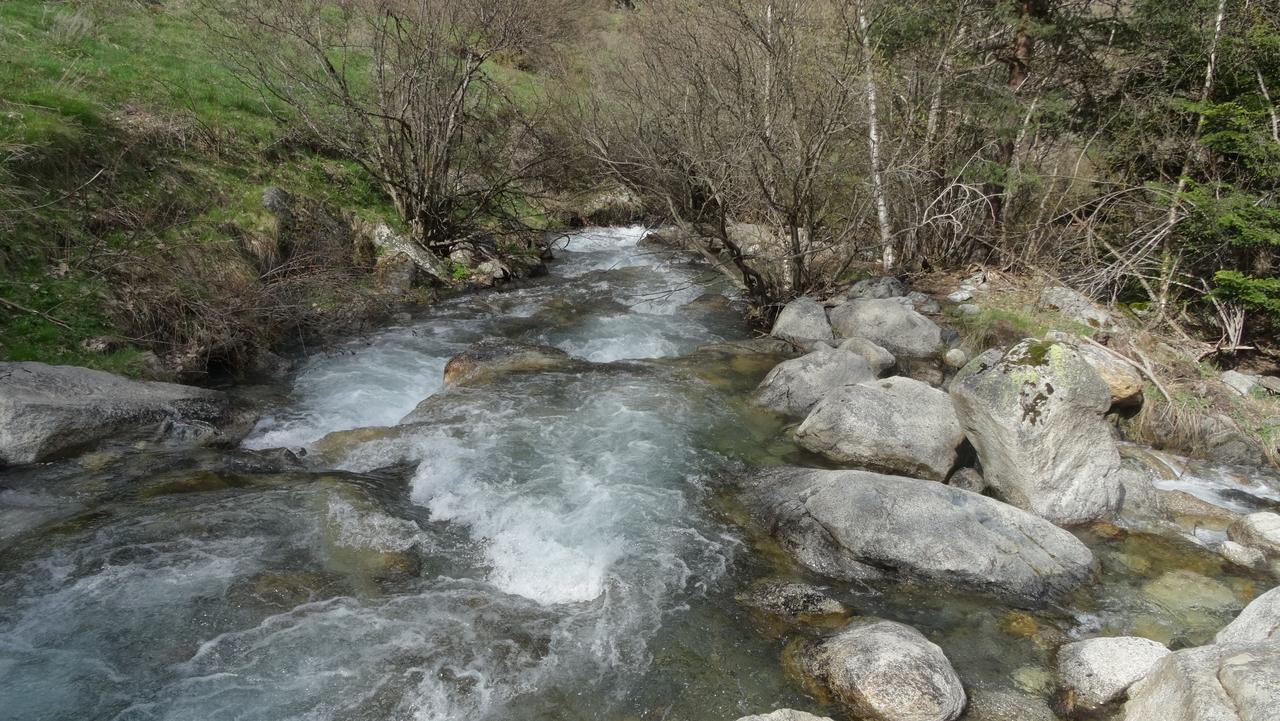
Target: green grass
(996,325)
(122,130)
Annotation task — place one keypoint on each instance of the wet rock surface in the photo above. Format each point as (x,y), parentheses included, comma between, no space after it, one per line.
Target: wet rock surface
(47,409)
(494,356)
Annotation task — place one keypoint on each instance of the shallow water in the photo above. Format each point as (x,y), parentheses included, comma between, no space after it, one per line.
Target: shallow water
(551,545)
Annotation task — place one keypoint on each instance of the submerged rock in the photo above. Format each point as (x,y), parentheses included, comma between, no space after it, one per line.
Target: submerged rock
(794,386)
(889,323)
(1006,704)
(802,319)
(1231,682)
(884,671)
(860,525)
(1097,671)
(793,602)
(46,409)
(897,425)
(496,356)
(1035,418)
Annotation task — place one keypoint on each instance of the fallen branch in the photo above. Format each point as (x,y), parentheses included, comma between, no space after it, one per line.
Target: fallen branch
(33,311)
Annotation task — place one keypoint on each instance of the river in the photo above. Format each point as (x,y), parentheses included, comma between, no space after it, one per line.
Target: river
(548,545)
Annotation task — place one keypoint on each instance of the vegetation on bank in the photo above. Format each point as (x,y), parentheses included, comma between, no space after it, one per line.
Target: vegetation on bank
(134,164)
(1129,149)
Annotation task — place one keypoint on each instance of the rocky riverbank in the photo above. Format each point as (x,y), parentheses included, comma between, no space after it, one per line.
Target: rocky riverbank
(973,473)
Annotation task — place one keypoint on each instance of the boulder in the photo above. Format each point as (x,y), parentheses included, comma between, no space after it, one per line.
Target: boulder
(968,479)
(794,386)
(881,287)
(496,356)
(394,274)
(389,243)
(1097,671)
(1242,556)
(855,525)
(46,409)
(1124,382)
(1260,531)
(802,319)
(1076,307)
(883,671)
(1221,440)
(889,323)
(1035,418)
(955,358)
(878,358)
(1231,682)
(792,602)
(898,425)
(785,714)
(1241,383)
(1259,621)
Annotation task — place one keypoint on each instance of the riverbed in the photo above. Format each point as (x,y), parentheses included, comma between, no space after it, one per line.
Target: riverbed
(552,544)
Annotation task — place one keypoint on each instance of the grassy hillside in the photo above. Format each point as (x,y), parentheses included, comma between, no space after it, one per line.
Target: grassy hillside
(129,155)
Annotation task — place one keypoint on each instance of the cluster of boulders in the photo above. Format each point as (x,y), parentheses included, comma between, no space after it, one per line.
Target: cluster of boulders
(964,474)
(1235,678)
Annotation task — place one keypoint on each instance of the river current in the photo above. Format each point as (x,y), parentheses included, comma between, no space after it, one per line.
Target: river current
(537,547)
(551,544)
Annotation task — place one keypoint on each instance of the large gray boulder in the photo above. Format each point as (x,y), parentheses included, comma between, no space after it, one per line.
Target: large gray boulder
(794,386)
(889,323)
(897,425)
(1035,417)
(1259,621)
(859,525)
(1231,682)
(801,320)
(47,409)
(884,671)
(1097,671)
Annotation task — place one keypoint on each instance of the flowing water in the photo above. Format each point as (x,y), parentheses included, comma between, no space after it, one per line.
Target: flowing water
(550,545)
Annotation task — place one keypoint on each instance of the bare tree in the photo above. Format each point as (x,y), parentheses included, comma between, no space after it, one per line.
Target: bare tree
(405,88)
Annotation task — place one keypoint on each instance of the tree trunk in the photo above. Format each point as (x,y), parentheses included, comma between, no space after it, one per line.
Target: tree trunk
(888,253)
(1168,254)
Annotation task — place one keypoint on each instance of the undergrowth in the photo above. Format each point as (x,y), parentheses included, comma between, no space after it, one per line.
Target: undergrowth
(132,165)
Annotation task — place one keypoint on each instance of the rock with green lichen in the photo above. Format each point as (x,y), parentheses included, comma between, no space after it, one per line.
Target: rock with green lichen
(1035,417)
